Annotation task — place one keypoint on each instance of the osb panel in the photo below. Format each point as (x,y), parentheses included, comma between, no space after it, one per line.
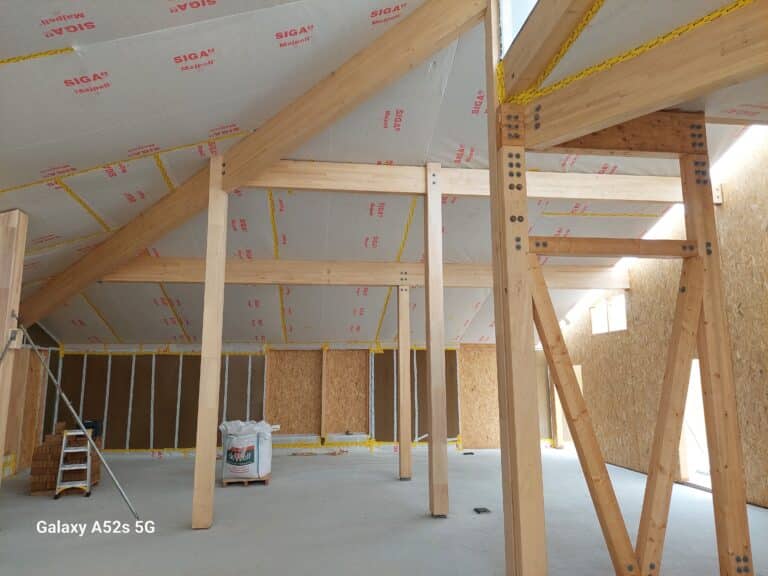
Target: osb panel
(31,417)
(384,395)
(345,397)
(16,401)
(622,372)
(478,396)
(166,386)
(294,384)
(140,412)
(119,392)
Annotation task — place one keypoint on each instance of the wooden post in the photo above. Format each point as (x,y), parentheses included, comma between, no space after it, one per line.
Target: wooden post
(436,396)
(13,239)
(726,460)
(580,425)
(404,381)
(669,425)
(210,356)
(522,486)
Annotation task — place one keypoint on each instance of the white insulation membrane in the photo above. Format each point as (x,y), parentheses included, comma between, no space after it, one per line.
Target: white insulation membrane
(136,98)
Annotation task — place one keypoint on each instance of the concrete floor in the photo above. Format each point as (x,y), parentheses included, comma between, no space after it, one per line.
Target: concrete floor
(341,515)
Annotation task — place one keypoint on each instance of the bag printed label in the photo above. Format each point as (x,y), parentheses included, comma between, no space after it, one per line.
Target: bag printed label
(241,456)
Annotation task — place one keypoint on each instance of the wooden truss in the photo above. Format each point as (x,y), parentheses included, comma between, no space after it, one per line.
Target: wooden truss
(522,299)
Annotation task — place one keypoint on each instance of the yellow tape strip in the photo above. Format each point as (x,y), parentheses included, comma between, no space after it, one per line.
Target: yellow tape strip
(36,55)
(83,204)
(400,250)
(276,254)
(101,317)
(163,172)
(566,45)
(175,312)
(124,161)
(530,95)
(9,465)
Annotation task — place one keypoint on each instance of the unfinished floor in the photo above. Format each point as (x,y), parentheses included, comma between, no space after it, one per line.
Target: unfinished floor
(347,515)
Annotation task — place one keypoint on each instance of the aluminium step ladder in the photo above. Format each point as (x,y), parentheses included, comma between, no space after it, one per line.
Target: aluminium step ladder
(68,449)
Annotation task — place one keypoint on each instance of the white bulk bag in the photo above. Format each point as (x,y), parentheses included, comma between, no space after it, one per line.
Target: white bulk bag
(247,449)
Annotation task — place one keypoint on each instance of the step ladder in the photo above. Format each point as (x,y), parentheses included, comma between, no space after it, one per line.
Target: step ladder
(68,449)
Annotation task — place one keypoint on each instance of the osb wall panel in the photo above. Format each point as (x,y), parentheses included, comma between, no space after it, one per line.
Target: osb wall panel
(166,386)
(345,392)
(478,396)
(384,366)
(294,384)
(622,372)
(19,375)
(32,417)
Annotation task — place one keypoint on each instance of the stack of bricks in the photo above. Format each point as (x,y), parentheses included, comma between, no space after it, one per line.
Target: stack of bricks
(45,462)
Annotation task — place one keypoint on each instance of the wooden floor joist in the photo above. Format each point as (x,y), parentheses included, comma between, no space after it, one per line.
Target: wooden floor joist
(210,354)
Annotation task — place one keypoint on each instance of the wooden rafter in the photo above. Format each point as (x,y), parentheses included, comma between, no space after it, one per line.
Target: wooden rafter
(357,273)
(548,26)
(731,49)
(430,27)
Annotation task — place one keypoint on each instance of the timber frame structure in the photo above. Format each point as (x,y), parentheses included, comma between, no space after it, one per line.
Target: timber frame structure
(628,121)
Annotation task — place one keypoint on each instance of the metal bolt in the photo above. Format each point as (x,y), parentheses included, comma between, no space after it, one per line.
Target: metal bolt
(520,218)
(519,186)
(545,244)
(538,108)
(682,288)
(517,155)
(652,566)
(537,125)
(630,568)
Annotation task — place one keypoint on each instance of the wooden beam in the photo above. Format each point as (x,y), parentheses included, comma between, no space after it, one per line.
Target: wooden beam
(525,546)
(669,424)
(410,180)
(581,428)
(609,247)
(354,273)
(665,134)
(13,439)
(435,339)
(13,239)
(726,460)
(731,49)
(430,27)
(210,353)
(547,28)
(404,381)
